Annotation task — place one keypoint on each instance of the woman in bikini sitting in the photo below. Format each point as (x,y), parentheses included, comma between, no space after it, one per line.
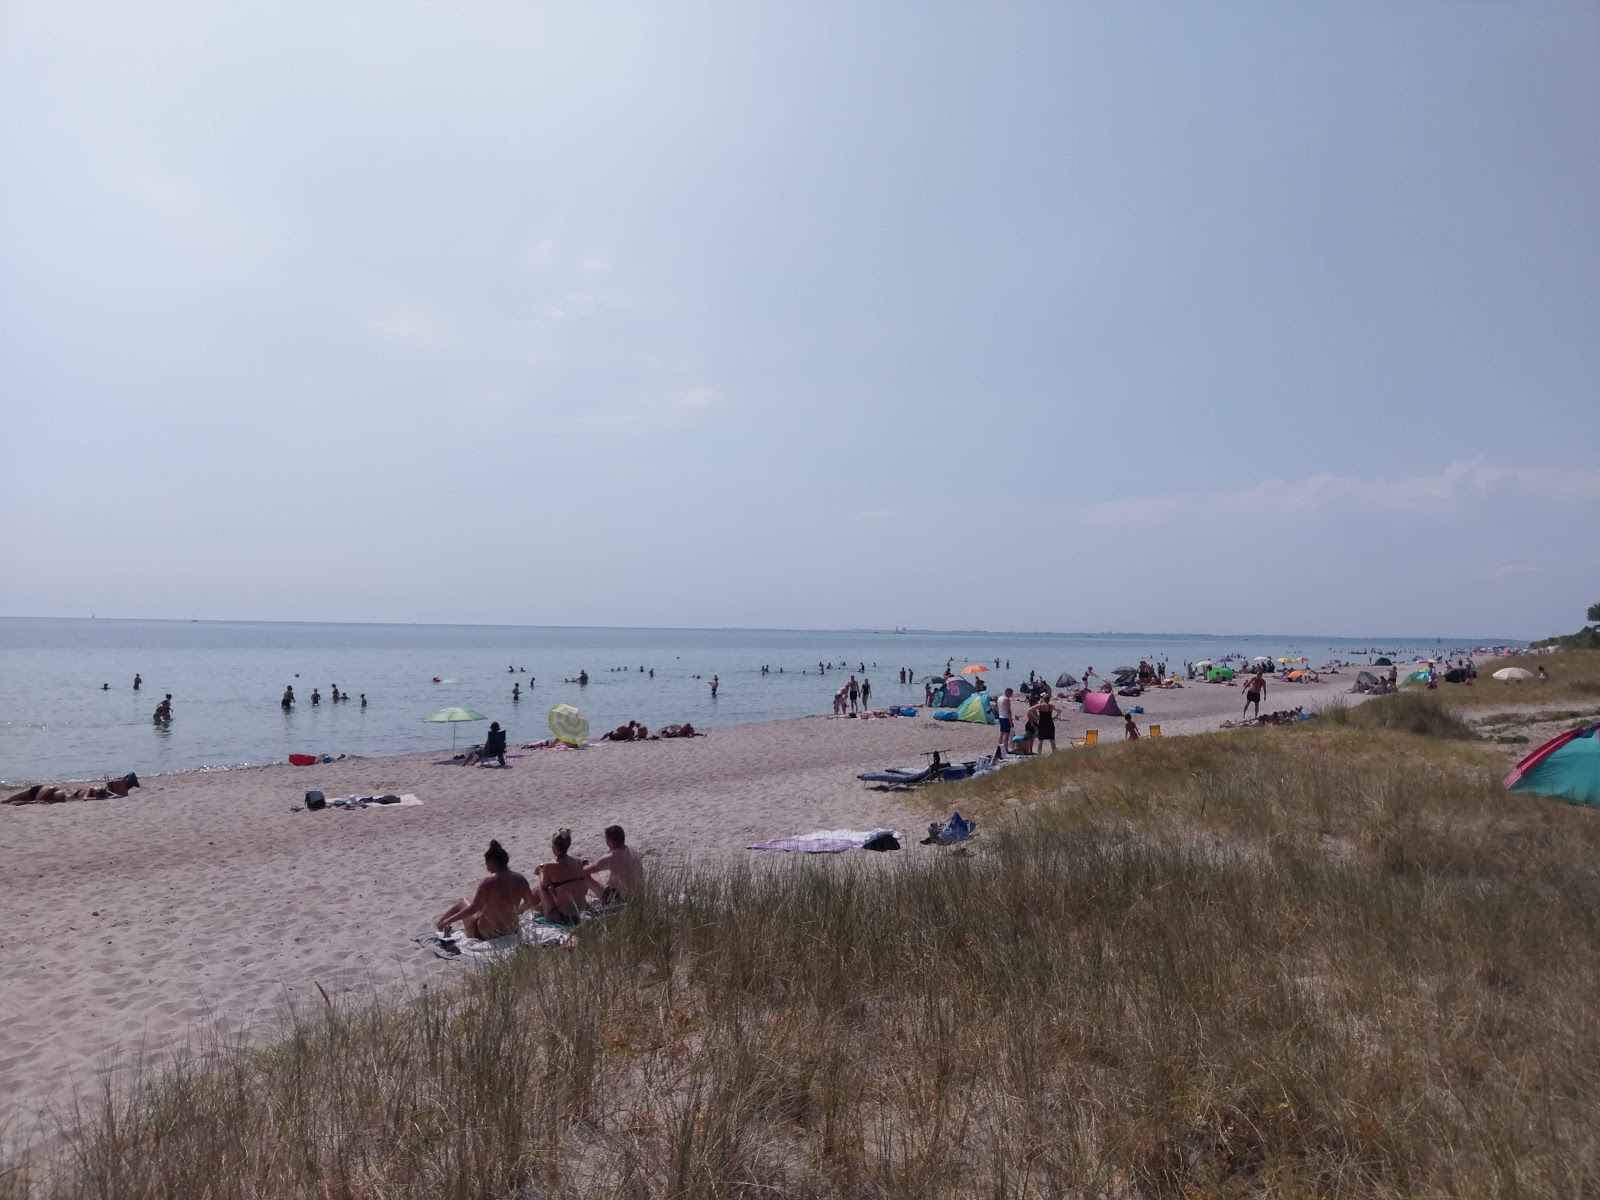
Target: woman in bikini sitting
(562,882)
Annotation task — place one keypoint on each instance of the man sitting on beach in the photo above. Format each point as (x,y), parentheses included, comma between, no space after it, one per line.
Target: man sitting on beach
(624,867)
(492,910)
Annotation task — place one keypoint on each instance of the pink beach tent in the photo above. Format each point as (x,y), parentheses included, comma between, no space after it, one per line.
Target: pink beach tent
(1101,704)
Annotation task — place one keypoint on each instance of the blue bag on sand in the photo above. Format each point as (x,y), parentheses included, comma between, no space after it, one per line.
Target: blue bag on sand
(1137,708)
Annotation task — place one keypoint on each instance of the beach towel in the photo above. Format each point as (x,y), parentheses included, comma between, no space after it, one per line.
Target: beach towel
(457,945)
(825,841)
(388,800)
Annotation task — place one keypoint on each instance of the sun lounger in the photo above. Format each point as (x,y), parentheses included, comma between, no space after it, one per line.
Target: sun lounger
(1087,739)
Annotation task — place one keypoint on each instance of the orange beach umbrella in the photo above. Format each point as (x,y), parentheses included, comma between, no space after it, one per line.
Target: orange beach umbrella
(974,669)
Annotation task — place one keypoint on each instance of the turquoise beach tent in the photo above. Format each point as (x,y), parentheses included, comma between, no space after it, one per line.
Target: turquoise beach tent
(975,708)
(1416,677)
(1567,767)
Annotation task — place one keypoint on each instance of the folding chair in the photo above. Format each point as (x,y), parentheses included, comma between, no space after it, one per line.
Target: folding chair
(1087,739)
(1155,731)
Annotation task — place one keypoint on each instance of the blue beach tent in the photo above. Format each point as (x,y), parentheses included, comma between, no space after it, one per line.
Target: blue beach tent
(1567,766)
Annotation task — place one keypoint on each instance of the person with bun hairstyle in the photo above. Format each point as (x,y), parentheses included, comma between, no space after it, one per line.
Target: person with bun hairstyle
(562,881)
(492,910)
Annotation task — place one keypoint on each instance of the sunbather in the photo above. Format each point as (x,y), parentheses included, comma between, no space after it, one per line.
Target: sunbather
(623,866)
(492,910)
(49,793)
(678,731)
(631,732)
(562,882)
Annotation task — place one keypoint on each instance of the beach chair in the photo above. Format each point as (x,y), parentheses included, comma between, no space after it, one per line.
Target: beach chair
(1155,731)
(1087,739)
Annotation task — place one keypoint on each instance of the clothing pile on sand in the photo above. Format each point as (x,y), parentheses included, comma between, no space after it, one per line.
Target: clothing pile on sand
(1273,718)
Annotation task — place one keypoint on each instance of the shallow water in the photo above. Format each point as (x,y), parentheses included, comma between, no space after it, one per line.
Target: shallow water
(226,679)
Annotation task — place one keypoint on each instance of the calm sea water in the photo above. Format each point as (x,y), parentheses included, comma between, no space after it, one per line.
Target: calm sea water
(226,680)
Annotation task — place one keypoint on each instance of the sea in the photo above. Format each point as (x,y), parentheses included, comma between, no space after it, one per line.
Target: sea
(69,711)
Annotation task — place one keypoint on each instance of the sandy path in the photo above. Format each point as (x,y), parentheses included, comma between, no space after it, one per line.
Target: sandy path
(205,898)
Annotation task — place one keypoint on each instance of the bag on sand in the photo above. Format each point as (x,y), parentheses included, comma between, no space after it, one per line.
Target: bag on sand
(315,800)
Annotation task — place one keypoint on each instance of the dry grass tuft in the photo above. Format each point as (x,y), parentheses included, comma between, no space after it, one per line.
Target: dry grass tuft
(1292,962)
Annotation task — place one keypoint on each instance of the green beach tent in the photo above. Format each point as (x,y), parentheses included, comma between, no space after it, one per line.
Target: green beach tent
(1567,766)
(975,708)
(1219,674)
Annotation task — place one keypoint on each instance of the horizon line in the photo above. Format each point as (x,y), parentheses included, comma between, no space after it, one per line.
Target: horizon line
(890,631)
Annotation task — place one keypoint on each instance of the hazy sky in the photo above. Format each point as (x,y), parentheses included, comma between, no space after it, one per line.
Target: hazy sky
(1221,317)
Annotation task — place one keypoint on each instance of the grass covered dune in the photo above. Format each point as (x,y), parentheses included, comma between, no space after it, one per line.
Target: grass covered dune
(1327,960)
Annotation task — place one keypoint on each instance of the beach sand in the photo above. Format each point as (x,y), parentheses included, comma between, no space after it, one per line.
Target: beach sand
(205,900)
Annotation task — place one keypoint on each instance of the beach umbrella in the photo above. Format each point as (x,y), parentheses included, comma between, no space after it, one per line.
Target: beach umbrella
(974,669)
(453,716)
(1261,658)
(1201,662)
(569,725)
(1066,680)
(1512,674)
(1288,660)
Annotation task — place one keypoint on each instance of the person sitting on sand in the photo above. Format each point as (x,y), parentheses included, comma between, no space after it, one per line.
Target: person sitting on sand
(622,733)
(623,866)
(492,910)
(562,882)
(1130,729)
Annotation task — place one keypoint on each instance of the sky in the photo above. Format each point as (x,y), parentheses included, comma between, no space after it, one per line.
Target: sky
(1059,316)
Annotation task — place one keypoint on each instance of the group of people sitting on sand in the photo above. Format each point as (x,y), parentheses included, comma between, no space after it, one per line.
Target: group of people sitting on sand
(560,894)
(49,793)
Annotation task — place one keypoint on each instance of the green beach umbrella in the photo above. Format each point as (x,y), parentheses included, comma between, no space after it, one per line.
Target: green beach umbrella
(454,715)
(569,725)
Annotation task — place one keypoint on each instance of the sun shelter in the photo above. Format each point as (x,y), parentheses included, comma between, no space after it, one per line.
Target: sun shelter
(1365,682)
(1567,767)
(975,708)
(1416,677)
(1066,680)
(953,692)
(1101,704)
(1383,662)
(1219,674)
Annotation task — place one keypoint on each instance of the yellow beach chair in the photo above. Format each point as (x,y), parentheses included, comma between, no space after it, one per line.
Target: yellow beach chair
(1155,731)
(1087,739)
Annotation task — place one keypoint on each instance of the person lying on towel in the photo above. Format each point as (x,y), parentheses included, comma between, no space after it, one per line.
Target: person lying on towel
(48,793)
(623,866)
(492,910)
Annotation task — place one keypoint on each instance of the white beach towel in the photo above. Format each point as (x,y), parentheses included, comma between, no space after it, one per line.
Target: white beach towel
(457,945)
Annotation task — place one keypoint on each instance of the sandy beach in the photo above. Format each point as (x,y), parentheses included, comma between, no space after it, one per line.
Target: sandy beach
(206,898)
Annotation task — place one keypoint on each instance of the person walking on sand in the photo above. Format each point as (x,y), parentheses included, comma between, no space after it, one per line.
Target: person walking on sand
(1003,711)
(1254,689)
(492,909)
(853,690)
(1130,729)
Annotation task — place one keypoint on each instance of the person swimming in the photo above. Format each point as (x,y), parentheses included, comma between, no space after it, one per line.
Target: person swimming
(493,908)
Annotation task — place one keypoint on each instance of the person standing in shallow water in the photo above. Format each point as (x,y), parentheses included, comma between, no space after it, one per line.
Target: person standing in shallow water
(137,681)
(288,699)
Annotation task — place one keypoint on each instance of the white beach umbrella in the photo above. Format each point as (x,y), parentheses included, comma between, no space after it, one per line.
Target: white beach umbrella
(1201,662)
(1512,674)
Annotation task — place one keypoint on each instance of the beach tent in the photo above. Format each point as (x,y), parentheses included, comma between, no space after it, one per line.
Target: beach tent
(1512,674)
(1383,662)
(1219,674)
(1567,766)
(975,708)
(1066,680)
(1100,704)
(1416,677)
(952,692)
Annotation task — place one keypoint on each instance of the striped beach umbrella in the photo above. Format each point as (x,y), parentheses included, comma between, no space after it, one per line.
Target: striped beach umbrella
(452,717)
(569,725)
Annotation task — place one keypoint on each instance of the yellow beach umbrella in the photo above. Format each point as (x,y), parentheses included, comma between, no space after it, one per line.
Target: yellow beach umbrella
(569,725)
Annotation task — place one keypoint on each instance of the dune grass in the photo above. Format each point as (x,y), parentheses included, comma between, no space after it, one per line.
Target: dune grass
(1574,679)
(1333,961)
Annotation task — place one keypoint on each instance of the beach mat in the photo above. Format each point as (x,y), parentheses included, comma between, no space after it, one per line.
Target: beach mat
(351,802)
(533,930)
(824,841)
